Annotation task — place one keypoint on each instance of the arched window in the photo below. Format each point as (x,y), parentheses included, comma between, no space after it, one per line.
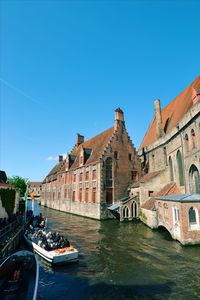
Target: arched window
(171,173)
(180,168)
(193,218)
(187,146)
(193,136)
(176,214)
(125,212)
(194,180)
(109,172)
(134,209)
(166,125)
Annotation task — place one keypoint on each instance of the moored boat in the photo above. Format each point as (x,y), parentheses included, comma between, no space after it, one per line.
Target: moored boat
(19,276)
(55,256)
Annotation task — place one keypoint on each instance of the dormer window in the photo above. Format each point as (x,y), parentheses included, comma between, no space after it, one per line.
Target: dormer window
(80,176)
(166,125)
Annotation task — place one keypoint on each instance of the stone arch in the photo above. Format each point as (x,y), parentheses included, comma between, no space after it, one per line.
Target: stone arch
(180,168)
(194,179)
(165,227)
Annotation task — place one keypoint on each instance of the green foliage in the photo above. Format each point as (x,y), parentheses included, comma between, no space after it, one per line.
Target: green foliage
(19,183)
(8,200)
(142,216)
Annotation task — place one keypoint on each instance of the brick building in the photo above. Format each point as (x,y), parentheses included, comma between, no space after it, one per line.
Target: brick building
(170,151)
(35,188)
(95,174)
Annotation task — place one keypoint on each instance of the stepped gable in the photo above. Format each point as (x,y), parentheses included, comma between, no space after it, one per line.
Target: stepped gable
(168,189)
(173,112)
(97,144)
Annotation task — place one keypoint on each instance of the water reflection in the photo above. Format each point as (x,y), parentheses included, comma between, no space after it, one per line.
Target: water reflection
(119,261)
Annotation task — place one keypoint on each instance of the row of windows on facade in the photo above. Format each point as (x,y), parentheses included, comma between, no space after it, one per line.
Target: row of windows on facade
(116,156)
(193,140)
(108,169)
(192,213)
(194,178)
(74,195)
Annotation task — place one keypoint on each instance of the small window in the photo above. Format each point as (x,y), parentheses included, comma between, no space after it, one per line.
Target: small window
(94,195)
(87,176)
(86,195)
(74,178)
(187,143)
(150,193)
(80,176)
(116,155)
(166,125)
(130,156)
(193,138)
(94,174)
(133,175)
(74,196)
(192,216)
(80,194)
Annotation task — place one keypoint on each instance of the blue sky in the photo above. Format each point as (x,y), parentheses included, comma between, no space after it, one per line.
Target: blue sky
(66,65)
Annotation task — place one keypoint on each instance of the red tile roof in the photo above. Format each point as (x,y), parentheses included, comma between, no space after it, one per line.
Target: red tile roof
(36,183)
(174,111)
(145,178)
(97,144)
(168,189)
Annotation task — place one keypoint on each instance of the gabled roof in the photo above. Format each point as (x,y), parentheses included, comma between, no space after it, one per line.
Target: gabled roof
(56,169)
(168,189)
(35,183)
(97,144)
(172,113)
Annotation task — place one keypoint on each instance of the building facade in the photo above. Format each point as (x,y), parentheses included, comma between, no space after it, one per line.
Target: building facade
(34,188)
(95,174)
(170,151)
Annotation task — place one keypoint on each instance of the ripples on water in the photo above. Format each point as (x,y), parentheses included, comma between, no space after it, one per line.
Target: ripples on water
(119,261)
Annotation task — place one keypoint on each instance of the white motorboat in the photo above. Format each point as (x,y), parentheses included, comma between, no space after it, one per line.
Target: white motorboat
(55,256)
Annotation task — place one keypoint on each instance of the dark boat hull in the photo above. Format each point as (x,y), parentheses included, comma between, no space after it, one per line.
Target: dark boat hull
(19,276)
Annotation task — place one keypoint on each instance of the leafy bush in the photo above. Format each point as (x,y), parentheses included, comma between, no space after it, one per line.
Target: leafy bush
(8,200)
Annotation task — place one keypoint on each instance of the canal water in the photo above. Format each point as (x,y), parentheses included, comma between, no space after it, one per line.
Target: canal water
(119,261)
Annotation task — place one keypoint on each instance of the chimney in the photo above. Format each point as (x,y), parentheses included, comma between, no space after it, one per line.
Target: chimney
(60,158)
(159,130)
(119,117)
(195,95)
(80,139)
